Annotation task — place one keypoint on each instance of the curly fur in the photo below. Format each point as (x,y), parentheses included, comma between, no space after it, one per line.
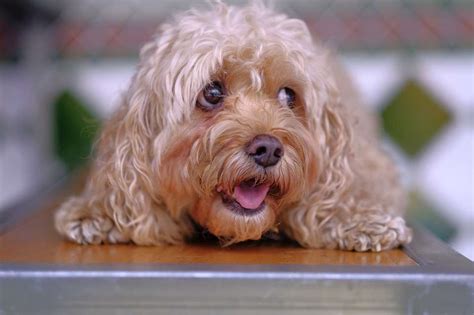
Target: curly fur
(160,160)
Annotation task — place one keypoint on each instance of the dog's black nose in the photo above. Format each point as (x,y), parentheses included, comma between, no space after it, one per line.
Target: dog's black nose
(266,150)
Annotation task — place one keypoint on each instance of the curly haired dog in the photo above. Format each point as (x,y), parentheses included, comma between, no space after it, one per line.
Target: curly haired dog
(238,121)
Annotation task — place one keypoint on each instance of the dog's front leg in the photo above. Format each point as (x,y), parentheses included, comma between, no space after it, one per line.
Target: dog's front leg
(86,221)
(346,227)
(83,222)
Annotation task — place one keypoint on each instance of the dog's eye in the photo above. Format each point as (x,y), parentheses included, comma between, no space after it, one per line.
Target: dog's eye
(211,96)
(287,97)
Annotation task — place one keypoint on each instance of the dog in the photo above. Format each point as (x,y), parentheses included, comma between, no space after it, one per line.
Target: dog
(237,121)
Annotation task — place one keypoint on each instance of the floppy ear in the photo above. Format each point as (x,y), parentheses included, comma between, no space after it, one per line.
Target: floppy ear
(123,165)
(329,124)
(123,186)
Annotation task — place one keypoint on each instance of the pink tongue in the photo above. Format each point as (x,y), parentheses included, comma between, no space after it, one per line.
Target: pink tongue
(250,197)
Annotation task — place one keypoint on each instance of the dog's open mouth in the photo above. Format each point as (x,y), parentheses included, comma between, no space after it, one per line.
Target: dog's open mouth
(248,197)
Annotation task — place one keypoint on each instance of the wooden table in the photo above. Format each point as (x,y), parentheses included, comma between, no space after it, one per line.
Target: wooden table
(34,241)
(269,276)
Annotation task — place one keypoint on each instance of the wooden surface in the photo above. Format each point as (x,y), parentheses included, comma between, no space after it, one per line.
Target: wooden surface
(33,240)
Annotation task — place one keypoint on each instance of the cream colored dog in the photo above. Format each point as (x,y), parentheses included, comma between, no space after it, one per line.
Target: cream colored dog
(237,120)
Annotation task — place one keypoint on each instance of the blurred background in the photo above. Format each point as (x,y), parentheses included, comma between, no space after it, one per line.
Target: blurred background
(63,65)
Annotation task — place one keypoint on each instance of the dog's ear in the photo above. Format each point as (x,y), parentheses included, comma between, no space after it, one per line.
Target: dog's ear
(329,125)
(124,188)
(123,180)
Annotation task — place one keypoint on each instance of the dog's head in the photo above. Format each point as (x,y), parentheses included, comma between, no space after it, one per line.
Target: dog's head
(235,110)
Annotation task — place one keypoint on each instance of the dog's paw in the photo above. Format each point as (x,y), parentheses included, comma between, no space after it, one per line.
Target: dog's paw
(373,232)
(96,230)
(76,222)
(88,230)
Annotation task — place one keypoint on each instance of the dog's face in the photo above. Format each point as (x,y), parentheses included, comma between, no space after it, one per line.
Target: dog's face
(253,155)
(235,107)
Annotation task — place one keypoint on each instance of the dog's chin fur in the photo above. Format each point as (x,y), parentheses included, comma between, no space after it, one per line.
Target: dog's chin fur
(230,226)
(163,162)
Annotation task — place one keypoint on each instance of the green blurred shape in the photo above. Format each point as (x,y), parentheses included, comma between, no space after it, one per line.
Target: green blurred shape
(75,128)
(425,213)
(413,117)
